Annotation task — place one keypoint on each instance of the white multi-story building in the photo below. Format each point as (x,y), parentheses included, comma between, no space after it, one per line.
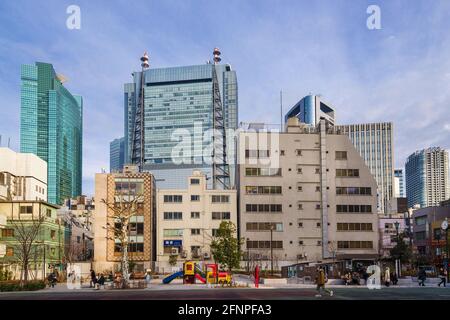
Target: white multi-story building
(188,219)
(23,176)
(306,196)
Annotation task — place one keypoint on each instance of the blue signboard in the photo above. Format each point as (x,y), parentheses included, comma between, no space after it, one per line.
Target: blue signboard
(173,243)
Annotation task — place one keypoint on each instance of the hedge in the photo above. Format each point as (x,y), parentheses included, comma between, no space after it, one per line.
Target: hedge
(15,286)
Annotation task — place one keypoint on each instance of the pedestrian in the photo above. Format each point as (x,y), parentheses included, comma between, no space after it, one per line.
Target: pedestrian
(365,276)
(100,281)
(443,276)
(52,279)
(394,278)
(93,279)
(321,280)
(422,276)
(387,277)
(148,277)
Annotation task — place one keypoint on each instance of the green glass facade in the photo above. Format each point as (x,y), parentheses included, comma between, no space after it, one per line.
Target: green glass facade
(51,127)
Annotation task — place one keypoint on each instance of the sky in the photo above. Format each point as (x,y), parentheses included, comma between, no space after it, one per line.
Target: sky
(399,73)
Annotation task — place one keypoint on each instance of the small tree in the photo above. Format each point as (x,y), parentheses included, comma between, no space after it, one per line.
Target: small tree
(226,247)
(173,259)
(120,213)
(402,251)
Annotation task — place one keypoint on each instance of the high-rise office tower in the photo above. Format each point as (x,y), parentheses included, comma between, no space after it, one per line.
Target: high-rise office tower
(116,154)
(399,184)
(374,141)
(168,109)
(51,126)
(310,110)
(427,181)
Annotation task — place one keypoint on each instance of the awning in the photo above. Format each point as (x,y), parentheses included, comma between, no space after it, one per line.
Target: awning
(362,256)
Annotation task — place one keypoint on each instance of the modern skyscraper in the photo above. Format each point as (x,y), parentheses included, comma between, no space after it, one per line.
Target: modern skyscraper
(51,126)
(310,110)
(374,141)
(178,104)
(116,154)
(427,181)
(399,184)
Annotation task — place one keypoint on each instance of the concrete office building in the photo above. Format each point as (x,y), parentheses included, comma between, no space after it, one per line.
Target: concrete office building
(116,155)
(427,180)
(188,220)
(375,143)
(23,176)
(316,194)
(51,127)
(178,102)
(399,184)
(117,189)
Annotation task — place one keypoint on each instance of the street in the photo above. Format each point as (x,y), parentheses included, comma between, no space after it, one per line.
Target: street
(156,293)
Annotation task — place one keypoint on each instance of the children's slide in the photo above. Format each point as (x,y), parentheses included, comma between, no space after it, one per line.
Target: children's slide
(175,275)
(199,271)
(199,277)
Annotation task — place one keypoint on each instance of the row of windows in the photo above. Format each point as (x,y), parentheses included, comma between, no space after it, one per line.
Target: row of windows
(196,215)
(257,153)
(262,172)
(355,245)
(341,155)
(263,189)
(347,173)
(353,208)
(354,227)
(365,191)
(264,226)
(221,216)
(264,207)
(264,244)
(179,198)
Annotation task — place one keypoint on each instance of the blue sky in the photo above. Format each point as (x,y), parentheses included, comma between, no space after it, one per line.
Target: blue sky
(400,73)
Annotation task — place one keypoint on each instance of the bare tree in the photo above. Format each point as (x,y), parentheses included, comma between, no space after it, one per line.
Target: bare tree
(118,223)
(25,235)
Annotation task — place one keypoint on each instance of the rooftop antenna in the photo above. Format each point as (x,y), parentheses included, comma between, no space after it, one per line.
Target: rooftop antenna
(281,110)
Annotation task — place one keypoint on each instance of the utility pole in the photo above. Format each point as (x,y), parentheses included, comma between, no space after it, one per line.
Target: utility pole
(271,249)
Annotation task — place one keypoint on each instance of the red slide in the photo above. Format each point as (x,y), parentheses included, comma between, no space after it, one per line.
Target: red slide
(199,277)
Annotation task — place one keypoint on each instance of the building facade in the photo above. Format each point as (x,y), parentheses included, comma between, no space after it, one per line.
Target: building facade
(306,195)
(391,227)
(375,143)
(115,191)
(47,251)
(188,220)
(310,110)
(427,180)
(399,184)
(178,106)
(23,176)
(51,127)
(116,155)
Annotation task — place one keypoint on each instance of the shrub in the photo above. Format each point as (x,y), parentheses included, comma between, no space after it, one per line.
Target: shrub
(15,286)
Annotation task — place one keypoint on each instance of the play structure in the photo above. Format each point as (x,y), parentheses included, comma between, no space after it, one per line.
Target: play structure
(192,272)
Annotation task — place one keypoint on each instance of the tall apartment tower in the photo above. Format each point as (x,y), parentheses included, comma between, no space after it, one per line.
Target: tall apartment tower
(51,127)
(179,106)
(375,144)
(427,180)
(116,154)
(309,192)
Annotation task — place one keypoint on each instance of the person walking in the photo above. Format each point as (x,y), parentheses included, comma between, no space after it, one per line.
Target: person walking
(394,278)
(387,277)
(148,278)
(93,279)
(321,280)
(422,276)
(100,281)
(52,279)
(443,276)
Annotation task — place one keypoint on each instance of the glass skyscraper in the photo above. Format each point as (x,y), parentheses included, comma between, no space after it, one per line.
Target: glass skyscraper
(179,101)
(374,141)
(116,155)
(51,126)
(427,180)
(310,110)
(399,184)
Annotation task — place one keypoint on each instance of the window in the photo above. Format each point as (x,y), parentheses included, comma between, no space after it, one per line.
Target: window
(317,188)
(215,232)
(220,199)
(8,233)
(319,243)
(343,173)
(2,179)
(9,252)
(299,188)
(173,216)
(221,216)
(195,215)
(173,232)
(341,155)
(78,239)
(195,181)
(264,244)
(420,221)
(354,227)
(352,208)
(263,189)
(299,170)
(53,234)
(364,191)
(298,152)
(48,212)
(264,226)
(300,224)
(300,206)
(264,207)
(195,232)
(317,206)
(300,242)
(318,224)
(195,197)
(262,172)
(26,209)
(173,198)
(282,152)
(257,153)
(355,245)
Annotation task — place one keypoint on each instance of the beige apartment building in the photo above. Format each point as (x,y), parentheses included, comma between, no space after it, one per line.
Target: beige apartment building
(117,189)
(187,220)
(310,191)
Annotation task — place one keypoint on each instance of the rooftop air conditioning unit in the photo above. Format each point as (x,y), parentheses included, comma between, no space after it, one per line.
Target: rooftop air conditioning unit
(174,251)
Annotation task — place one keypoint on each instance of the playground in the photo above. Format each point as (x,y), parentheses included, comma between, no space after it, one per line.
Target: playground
(210,274)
